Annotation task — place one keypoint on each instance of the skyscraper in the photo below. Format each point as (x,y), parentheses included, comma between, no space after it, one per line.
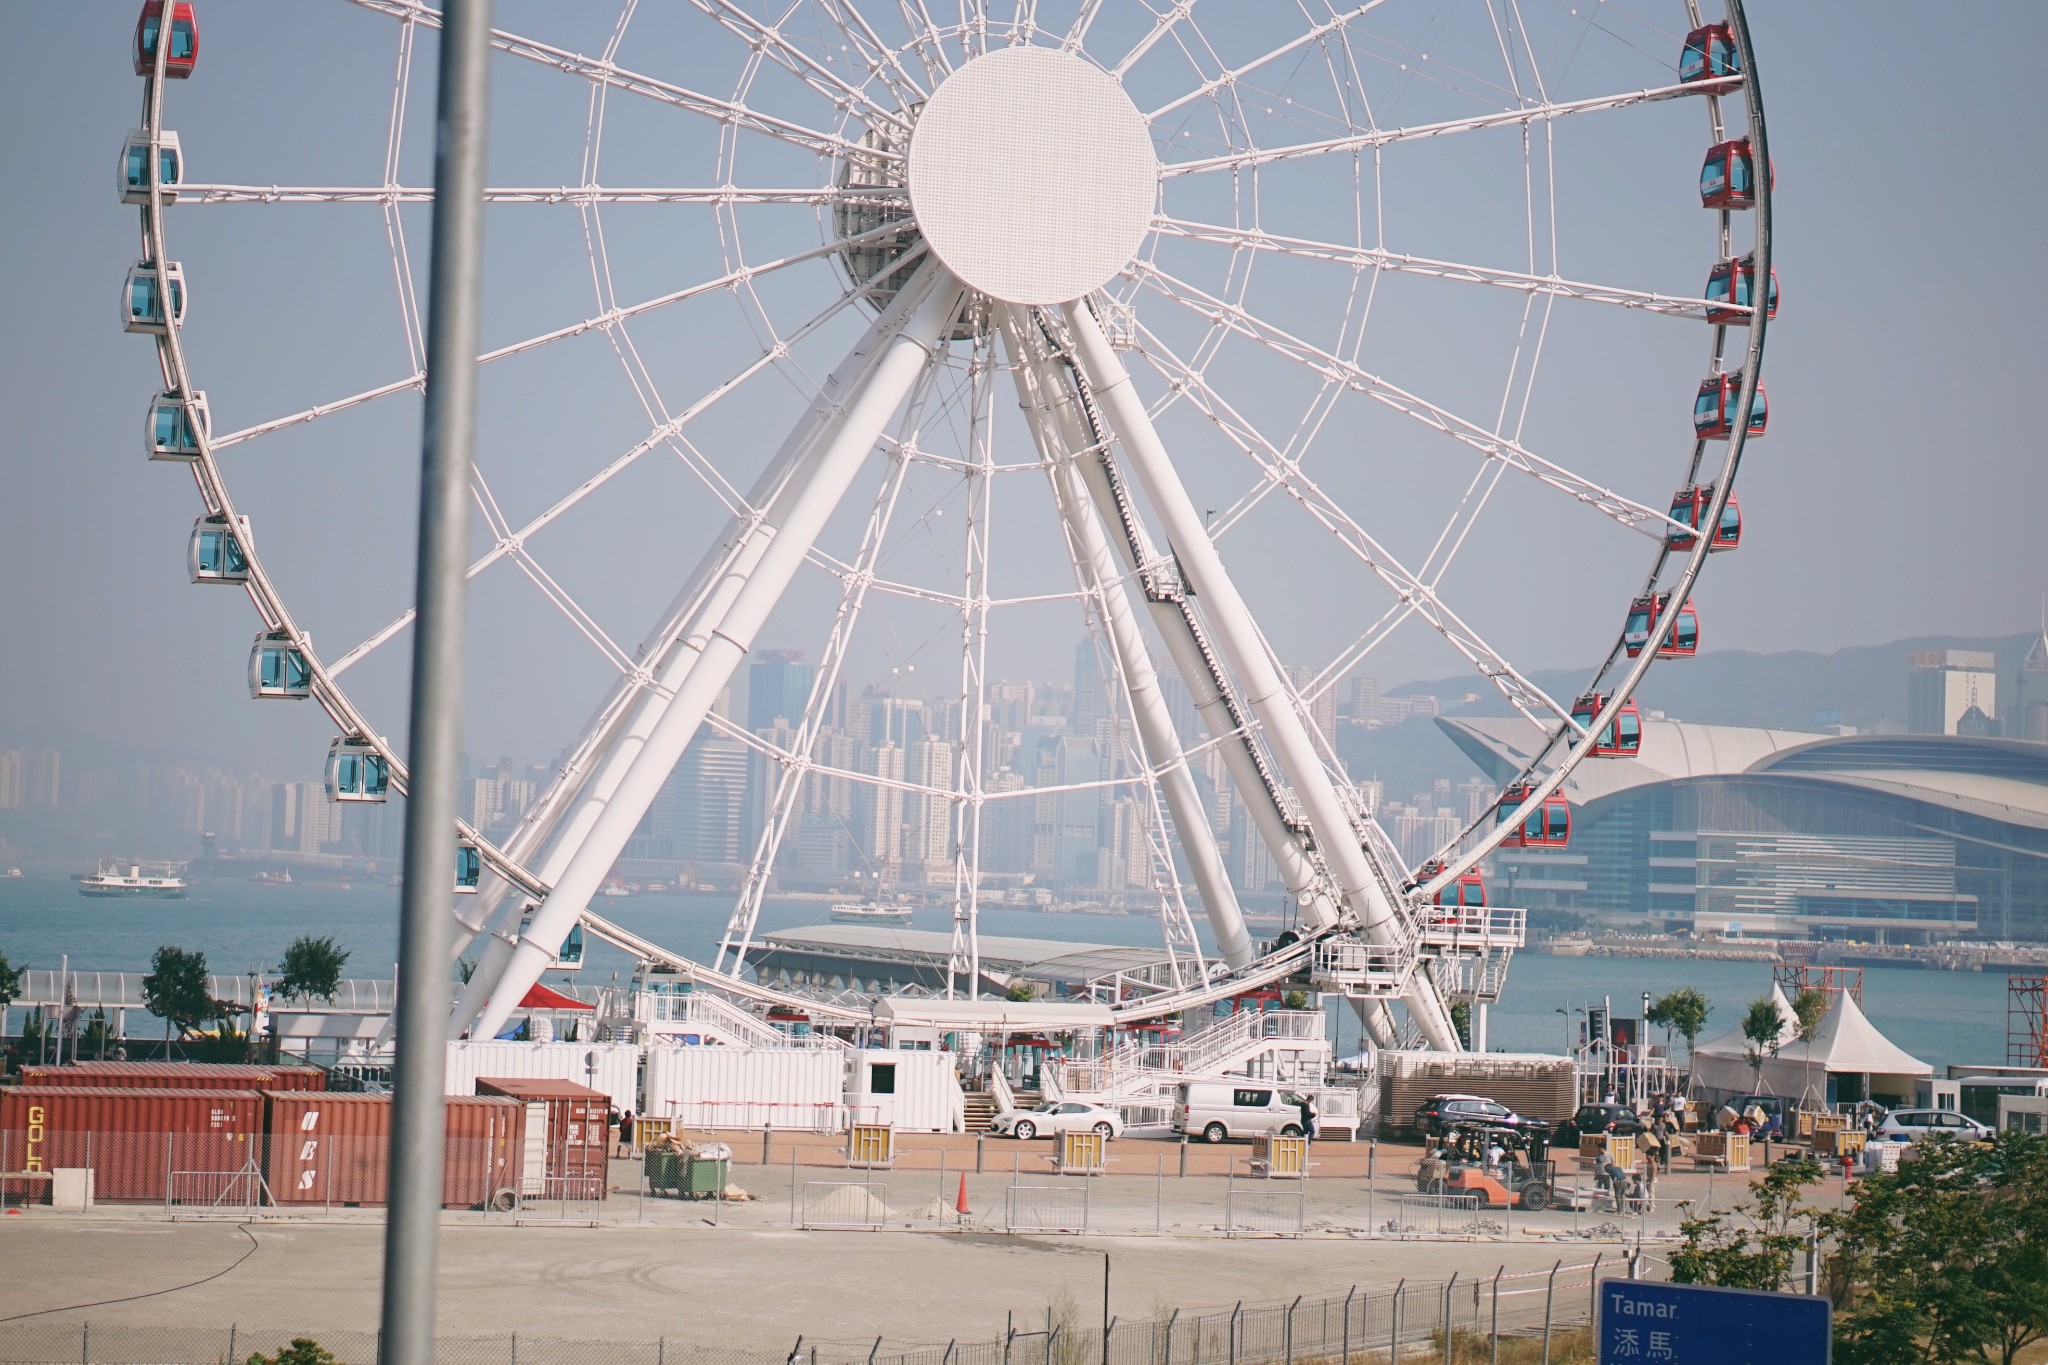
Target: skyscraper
(1946,683)
(778,685)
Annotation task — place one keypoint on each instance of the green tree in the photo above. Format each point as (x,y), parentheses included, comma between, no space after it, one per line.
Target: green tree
(1809,1008)
(10,982)
(1752,1245)
(97,1033)
(312,966)
(1683,1011)
(301,1351)
(1461,1020)
(1947,1260)
(465,968)
(1020,992)
(1762,1025)
(175,990)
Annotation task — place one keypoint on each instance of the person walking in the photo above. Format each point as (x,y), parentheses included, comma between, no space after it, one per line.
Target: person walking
(626,1133)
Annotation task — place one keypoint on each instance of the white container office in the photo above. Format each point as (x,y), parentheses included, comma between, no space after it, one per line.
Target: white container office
(909,1090)
(611,1067)
(747,1087)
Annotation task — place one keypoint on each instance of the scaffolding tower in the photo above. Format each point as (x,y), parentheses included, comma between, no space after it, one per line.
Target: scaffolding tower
(1794,977)
(2026,1019)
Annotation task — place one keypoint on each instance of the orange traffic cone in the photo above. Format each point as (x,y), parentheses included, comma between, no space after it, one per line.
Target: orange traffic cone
(960,1204)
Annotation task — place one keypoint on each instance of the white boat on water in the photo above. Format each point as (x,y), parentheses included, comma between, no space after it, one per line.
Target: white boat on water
(871,912)
(11,873)
(109,880)
(283,878)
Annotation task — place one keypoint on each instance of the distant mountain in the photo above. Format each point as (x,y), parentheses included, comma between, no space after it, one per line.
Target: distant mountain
(1793,690)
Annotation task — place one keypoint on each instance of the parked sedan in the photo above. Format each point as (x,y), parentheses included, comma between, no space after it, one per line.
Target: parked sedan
(1617,1119)
(1063,1116)
(1911,1125)
(1441,1113)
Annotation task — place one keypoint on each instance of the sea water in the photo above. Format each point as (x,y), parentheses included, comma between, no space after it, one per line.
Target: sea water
(1939,1017)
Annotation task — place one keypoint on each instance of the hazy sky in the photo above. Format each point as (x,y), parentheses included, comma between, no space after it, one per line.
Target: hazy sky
(1898,492)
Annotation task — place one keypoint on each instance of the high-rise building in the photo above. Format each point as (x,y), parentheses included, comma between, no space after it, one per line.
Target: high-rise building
(778,686)
(878,810)
(928,816)
(1319,707)
(1945,684)
(2030,703)
(711,800)
(1091,693)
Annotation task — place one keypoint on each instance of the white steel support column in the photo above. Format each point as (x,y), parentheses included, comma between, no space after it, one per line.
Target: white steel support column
(931,300)
(1237,633)
(1039,389)
(671,651)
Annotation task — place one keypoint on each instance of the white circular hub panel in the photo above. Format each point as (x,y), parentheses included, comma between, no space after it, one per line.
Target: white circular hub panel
(1032,175)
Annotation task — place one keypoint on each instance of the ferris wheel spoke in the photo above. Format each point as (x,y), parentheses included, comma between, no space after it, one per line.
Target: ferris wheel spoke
(1162,26)
(1374,258)
(1646,521)
(203,194)
(410,319)
(732,115)
(884,60)
(1225,79)
(796,61)
(417,380)
(1283,471)
(1371,139)
(1076,36)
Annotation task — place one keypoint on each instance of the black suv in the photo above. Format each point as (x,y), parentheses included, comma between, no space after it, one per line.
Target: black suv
(1441,1113)
(1617,1119)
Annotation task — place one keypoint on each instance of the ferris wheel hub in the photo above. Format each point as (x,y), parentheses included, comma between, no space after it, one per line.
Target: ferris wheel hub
(1032,175)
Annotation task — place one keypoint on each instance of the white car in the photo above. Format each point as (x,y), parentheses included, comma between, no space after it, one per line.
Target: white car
(1062,1116)
(1910,1125)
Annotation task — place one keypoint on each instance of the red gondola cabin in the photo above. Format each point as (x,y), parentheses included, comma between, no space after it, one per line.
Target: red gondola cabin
(1714,411)
(1620,737)
(1730,283)
(1646,623)
(1691,505)
(1728,176)
(1710,54)
(1468,891)
(184,54)
(1547,826)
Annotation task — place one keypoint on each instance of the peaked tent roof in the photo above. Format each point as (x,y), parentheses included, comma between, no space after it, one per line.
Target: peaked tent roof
(1848,1042)
(1733,1044)
(540,997)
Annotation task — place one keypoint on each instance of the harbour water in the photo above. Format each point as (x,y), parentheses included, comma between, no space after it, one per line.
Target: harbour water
(1940,1017)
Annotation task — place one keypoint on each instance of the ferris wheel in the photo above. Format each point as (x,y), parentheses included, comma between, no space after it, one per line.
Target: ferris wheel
(1250,344)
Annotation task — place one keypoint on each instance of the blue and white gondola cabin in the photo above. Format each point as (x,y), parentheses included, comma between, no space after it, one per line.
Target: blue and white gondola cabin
(217,553)
(1728,176)
(141,309)
(1549,825)
(1730,283)
(356,771)
(1714,410)
(1622,734)
(135,166)
(176,426)
(184,53)
(278,669)
(1691,506)
(469,868)
(1710,54)
(1645,622)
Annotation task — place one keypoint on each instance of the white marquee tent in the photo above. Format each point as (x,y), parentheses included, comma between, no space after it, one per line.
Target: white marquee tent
(1848,1059)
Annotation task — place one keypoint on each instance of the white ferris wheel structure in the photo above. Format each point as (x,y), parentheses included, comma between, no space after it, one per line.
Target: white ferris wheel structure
(996,313)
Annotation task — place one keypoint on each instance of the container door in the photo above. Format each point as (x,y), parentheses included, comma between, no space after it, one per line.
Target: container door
(533,1175)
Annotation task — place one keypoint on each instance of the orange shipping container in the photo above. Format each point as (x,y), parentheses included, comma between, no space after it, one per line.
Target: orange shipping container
(179,1076)
(192,1146)
(333,1148)
(568,1135)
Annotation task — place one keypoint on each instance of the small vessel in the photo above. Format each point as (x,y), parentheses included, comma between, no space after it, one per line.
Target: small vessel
(283,878)
(871,912)
(11,873)
(614,891)
(109,880)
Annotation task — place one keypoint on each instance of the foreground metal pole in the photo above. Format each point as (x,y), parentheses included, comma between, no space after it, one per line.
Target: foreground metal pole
(413,1233)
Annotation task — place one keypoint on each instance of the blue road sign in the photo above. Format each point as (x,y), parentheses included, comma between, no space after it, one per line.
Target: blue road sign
(1646,1323)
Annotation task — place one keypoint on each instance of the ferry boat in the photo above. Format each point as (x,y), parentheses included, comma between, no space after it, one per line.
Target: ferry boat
(11,873)
(283,878)
(109,880)
(871,912)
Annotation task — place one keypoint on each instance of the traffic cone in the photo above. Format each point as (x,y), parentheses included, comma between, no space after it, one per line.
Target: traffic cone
(960,1204)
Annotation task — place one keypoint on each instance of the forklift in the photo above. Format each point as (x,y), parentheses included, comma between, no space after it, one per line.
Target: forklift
(1524,1178)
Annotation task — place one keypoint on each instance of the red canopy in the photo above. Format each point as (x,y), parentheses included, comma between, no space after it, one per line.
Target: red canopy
(540,997)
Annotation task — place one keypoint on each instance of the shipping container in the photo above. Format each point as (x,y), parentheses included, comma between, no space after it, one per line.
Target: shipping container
(611,1067)
(143,1146)
(910,1090)
(567,1136)
(179,1076)
(334,1149)
(747,1087)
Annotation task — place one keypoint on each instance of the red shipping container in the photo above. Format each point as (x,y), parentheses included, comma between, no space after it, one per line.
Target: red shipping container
(568,1135)
(333,1148)
(192,1146)
(179,1075)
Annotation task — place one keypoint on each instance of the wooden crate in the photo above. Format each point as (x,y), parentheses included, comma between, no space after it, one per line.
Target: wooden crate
(1838,1142)
(1724,1151)
(1082,1152)
(647,1132)
(1280,1157)
(870,1144)
(1593,1146)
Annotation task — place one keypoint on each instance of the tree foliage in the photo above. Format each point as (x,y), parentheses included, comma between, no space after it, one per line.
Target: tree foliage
(1809,1007)
(10,982)
(1683,1011)
(1752,1245)
(311,967)
(175,990)
(1762,1025)
(301,1351)
(1947,1260)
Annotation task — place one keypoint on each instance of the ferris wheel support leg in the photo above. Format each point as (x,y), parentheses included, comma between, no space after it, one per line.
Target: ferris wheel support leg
(925,310)
(1265,691)
(604,759)
(1158,742)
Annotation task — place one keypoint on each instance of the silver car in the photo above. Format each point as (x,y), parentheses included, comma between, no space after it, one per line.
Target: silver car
(1060,1116)
(1911,1125)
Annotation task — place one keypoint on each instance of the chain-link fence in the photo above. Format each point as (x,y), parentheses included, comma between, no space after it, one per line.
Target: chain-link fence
(1415,1322)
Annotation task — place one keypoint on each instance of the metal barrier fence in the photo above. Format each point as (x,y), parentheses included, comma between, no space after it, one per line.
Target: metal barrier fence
(1046,1208)
(1414,1322)
(1265,1208)
(844,1204)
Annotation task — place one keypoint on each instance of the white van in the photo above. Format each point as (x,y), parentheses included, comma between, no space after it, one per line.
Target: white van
(1215,1110)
